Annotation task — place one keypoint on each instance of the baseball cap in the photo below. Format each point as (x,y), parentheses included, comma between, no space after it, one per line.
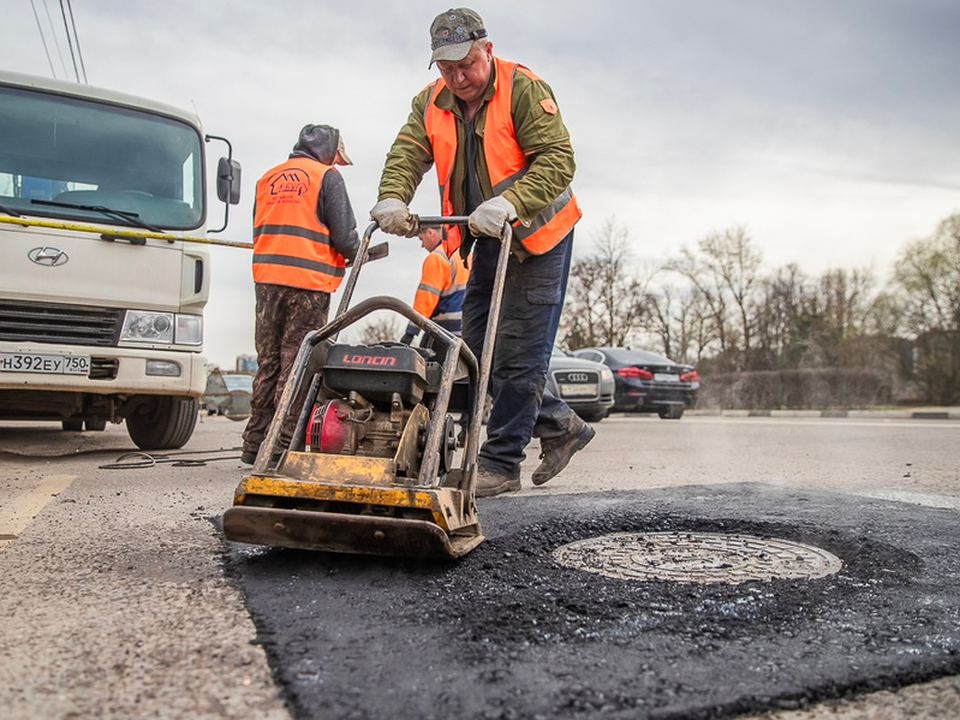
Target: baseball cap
(341,158)
(453,32)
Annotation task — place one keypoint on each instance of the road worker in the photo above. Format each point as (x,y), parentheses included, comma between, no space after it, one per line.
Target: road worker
(443,280)
(304,233)
(493,130)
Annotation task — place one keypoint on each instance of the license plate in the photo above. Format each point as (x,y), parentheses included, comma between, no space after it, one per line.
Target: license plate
(578,389)
(48,364)
(666,377)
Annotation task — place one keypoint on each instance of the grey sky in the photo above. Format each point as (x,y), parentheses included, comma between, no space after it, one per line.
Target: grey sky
(826,127)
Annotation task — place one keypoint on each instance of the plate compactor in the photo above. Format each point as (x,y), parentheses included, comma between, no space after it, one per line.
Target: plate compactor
(373,465)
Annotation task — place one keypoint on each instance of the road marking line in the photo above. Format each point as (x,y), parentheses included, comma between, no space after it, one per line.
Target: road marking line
(949,502)
(15,518)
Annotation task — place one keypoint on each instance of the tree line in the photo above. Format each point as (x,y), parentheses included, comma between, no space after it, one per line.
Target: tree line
(839,338)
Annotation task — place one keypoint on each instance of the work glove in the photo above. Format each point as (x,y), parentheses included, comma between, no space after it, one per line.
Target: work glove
(488,219)
(393,216)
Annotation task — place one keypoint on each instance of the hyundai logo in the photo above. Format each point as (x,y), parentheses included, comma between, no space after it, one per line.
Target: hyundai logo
(577,377)
(48,256)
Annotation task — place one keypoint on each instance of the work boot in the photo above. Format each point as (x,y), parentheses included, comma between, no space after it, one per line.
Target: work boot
(248,457)
(556,452)
(490,483)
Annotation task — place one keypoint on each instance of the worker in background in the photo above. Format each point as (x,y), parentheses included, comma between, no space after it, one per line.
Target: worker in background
(443,279)
(304,233)
(493,130)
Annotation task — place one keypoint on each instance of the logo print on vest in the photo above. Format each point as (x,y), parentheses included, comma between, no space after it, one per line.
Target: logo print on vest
(290,182)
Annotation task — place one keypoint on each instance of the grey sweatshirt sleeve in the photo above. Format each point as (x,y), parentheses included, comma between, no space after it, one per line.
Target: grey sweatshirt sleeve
(334,211)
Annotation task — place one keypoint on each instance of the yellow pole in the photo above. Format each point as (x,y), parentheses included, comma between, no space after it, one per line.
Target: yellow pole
(80,227)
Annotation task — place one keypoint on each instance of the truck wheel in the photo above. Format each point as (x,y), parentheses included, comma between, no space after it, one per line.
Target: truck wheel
(163,422)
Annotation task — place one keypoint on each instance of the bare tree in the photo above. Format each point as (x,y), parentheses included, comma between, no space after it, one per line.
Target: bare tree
(606,298)
(380,328)
(927,283)
(784,303)
(678,317)
(724,270)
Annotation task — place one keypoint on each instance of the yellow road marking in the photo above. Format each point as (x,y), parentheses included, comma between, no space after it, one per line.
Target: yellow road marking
(15,518)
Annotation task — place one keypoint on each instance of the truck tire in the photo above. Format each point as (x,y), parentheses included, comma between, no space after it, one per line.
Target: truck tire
(163,422)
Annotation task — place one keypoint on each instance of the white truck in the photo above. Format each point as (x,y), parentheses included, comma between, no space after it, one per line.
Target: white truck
(103,276)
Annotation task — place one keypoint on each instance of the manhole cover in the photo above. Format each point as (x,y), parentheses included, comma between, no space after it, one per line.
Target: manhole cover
(696,557)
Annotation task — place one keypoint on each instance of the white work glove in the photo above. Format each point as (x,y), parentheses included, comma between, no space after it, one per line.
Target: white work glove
(393,216)
(488,219)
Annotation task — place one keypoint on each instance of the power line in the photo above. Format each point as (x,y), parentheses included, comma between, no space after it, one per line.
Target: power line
(43,39)
(66,30)
(56,41)
(76,37)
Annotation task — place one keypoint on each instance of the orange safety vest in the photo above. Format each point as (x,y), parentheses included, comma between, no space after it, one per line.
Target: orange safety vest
(443,282)
(506,162)
(290,245)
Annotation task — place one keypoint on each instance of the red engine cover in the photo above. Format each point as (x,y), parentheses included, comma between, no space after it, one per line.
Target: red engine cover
(330,430)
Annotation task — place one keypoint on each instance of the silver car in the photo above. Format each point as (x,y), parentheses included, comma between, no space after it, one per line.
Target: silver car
(586,386)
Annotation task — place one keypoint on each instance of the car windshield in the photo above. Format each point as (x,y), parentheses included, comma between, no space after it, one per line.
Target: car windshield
(76,159)
(239,382)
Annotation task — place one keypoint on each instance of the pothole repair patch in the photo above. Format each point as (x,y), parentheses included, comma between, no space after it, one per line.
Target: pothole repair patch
(692,557)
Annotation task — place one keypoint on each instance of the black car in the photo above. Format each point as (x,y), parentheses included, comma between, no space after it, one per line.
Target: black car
(646,382)
(586,386)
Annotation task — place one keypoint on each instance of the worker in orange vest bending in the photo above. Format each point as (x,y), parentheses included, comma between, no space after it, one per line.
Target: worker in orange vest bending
(443,280)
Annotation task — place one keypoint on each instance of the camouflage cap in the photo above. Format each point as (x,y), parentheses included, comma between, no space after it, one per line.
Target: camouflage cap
(453,32)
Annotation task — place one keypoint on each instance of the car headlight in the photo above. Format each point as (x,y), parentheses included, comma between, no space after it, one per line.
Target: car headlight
(606,374)
(142,326)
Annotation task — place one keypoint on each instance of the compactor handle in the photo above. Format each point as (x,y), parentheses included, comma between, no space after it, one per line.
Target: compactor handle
(433,220)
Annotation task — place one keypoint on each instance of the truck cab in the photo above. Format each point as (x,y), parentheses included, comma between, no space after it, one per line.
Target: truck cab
(103,276)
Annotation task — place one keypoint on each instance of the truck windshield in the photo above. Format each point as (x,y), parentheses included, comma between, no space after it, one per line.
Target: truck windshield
(80,156)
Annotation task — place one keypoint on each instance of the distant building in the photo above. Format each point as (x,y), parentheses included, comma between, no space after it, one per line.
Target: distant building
(247,364)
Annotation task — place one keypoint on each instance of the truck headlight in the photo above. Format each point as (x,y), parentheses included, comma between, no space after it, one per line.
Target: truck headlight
(142,326)
(147,327)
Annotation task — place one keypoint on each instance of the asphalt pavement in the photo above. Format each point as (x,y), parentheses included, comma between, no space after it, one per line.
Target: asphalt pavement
(509,633)
(121,599)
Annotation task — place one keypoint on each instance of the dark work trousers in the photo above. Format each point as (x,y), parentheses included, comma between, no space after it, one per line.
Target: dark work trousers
(530,313)
(284,316)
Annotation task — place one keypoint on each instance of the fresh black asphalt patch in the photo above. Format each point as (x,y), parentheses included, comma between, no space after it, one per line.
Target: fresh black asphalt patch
(508,633)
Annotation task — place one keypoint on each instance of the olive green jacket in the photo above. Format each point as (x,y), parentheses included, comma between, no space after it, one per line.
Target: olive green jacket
(541,135)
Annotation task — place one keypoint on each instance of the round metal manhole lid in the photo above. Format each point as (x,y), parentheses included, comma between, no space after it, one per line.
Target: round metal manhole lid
(693,557)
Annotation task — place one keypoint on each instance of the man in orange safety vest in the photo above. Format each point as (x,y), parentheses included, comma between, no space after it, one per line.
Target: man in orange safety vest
(443,280)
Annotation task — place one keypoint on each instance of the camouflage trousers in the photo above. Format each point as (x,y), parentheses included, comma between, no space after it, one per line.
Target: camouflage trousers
(284,316)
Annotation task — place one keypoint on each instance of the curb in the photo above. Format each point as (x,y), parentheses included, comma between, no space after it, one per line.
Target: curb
(951,413)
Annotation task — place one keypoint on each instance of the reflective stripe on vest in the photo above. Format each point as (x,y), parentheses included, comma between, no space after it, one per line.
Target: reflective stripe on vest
(506,162)
(440,297)
(290,245)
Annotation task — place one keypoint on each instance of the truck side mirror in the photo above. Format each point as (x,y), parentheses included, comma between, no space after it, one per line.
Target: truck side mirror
(228,181)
